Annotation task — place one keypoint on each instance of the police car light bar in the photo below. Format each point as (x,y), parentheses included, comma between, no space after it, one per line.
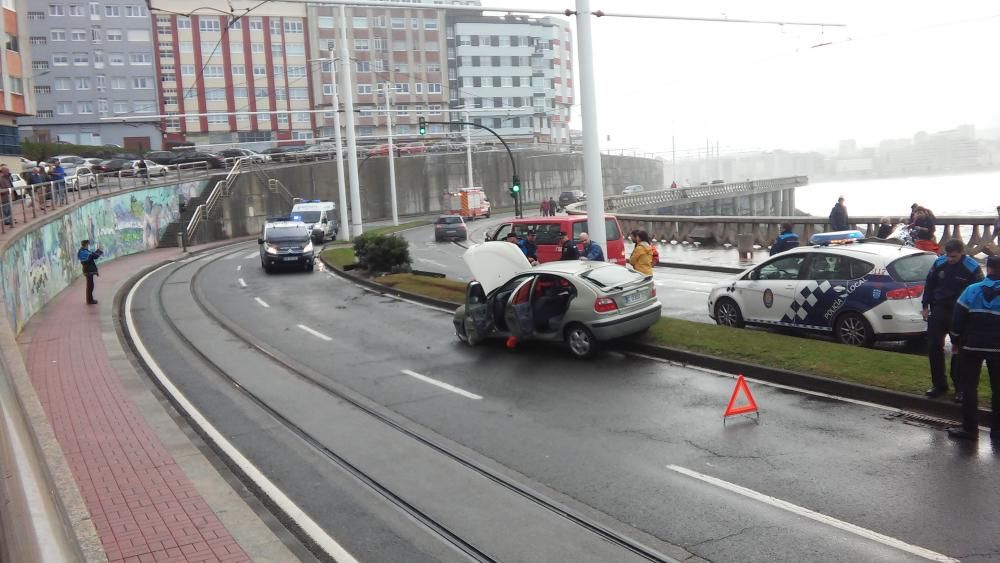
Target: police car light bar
(277,219)
(837,237)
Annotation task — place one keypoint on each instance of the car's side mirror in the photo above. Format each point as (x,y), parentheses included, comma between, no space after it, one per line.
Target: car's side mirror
(260,241)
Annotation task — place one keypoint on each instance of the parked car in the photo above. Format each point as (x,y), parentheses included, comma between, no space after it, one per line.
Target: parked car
(240,153)
(547,231)
(81,177)
(450,227)
(581,303)
(19,183)
(413,148)
(858,292)
(634,189)
(111,166)
(165,158)
(283,154)
(716,182)
(571,196)
(192,157)
(153,169)
(67,160)
(92,162)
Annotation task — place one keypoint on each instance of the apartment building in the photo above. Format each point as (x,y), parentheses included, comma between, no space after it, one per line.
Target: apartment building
(14,50)
(516,72)
(92,60)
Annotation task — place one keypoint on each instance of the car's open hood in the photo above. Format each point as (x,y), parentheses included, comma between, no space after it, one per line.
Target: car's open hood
(493,263)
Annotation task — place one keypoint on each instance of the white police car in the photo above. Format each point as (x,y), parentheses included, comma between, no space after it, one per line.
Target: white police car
(860,292)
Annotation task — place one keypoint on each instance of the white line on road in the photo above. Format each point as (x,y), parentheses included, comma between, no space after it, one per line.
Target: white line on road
(242,282)
(252,255)
(239,267)
(442,385)
(432,262)
(315,333)
(261,302)
(815,516)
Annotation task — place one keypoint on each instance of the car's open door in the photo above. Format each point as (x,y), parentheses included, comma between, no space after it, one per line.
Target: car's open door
(478,318)
(518,313)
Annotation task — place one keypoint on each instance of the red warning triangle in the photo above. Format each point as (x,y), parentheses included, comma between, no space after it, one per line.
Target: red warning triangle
(751,406)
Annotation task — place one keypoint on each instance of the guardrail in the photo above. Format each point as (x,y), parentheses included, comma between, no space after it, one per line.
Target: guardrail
(222,188)
(692,194)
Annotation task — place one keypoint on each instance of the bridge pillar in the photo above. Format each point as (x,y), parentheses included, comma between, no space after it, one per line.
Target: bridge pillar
(752,199)
(778,202)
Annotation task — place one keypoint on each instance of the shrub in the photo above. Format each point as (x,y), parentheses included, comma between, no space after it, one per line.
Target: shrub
(378,252)
(40,151)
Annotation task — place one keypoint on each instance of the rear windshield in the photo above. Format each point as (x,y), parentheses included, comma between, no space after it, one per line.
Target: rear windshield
(610,229)
(545,233)
(912,268)
(612,276)
(449,220)
(286,234)
(305,216)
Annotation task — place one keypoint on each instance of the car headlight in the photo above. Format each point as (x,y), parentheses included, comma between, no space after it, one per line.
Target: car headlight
(308,247)
(271,249)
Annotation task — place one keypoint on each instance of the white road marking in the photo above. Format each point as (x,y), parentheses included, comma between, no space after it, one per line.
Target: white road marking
(432,262)
(815,516)
(698,291)
(252,255)
(442,385)
(239,267)
(261,302)
(315,333)
(307,524)
(242,282)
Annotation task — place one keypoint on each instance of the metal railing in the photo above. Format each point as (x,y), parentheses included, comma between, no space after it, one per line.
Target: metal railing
(693,194)
(221,189)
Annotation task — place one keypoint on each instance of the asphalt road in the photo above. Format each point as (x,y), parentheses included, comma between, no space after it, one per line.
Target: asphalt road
(635,444)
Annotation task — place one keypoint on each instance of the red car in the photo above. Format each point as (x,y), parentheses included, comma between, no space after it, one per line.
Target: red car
(547,231)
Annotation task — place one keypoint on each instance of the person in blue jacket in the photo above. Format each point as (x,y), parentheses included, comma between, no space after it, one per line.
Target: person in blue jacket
(946,280)
(88,260)
(529,247)
(976,327)
(591,250)
(786,240)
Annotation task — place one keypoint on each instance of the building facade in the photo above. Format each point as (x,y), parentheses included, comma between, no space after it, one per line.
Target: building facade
(515,72)
(15,50)
(92,60)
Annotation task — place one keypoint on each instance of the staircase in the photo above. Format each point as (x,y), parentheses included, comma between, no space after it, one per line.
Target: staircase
(169,237)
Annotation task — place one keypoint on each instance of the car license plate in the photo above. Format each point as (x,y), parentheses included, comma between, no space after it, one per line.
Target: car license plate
(290,258)
(632,298)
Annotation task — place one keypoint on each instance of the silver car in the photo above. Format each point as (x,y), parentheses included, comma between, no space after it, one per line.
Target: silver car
(578,302)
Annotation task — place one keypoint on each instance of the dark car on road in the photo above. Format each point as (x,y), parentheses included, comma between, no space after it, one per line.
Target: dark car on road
(286,243)
(283,154)
(162,157)
(571,196)
(240,153)
(210,160)
(112,166)
(450,227)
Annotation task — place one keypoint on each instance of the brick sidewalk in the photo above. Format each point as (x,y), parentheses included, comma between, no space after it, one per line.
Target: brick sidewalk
(143,505)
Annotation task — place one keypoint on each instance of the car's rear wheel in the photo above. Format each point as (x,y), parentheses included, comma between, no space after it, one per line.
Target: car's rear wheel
(581,341)
(853,329)
(727,313)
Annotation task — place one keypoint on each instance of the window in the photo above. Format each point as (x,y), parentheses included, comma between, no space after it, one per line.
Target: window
(259,70)
(275,25)
(144,106)
(256,24)
(278,72)
(215,94)
(43,89)
(399,45)
(57,34)
(64,108)
(329,89)
(832,267)
(85,107)
(187,70)
(401,88)
(276,49)
(256,47)
(214,71)
(294,49)
(331,45)
(301,117)
(433,88)
(402,109)
(297,71)
(402,129)
(239,70)
(260,92)
(430,23)
(293,27)
(63,83)
(786,268)
(140,58)
(418,87)
(414,23)
(379,44)
(142,83)
(81,59)
(325,22)
(364,89)
(83,83)
(432,46)
(236,24)
(135,12)
(57,10)
(186,47)
(207,23)
(119,107)
(400,67)
(239,92)
(118,83)
(37,16)
(235,48)
(39,40)
(398,23)
(40,65)
(359,22)
(209,48)
(363,66)
(434,109)
(76,10)
(360,44)
(78,35)
(217,118)
(282,118)
(183,22)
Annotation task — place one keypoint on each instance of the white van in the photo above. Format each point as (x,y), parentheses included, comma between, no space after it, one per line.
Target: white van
(319,215)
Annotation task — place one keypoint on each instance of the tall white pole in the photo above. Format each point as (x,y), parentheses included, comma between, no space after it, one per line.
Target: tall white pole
(343,231)
(592,174)
(468,151)
(352,147)
(387,88)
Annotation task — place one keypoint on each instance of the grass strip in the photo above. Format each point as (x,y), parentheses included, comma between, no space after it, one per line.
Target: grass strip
(389,229)
(338,256)
(437,288)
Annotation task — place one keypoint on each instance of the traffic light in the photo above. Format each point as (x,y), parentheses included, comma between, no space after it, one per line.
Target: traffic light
(515,187)
(423,126)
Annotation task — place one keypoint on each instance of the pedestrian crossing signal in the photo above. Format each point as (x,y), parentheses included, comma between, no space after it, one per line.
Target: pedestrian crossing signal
(423,126)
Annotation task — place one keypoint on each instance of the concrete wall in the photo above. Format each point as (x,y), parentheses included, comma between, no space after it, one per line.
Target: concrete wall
(420,182)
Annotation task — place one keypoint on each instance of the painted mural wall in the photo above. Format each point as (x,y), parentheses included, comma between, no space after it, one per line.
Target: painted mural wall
(40,264)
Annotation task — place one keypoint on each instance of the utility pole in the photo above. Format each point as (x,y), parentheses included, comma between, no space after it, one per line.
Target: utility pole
(592,175)
(352,146)
(343,231)
(387,89)
(468,149)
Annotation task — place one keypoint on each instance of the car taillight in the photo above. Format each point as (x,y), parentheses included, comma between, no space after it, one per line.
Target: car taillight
(652,293)
(605,304)
(438,226)
(912,292)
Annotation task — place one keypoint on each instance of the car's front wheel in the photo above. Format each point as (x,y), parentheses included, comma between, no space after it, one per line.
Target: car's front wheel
(853,329)
(727,313)
(581,341)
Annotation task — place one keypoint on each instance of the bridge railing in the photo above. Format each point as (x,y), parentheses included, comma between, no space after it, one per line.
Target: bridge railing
(658,198)
(978,232)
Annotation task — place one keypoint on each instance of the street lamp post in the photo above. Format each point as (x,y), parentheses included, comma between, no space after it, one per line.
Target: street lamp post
(387,89)
(343,231)
(352,146)
(592,175)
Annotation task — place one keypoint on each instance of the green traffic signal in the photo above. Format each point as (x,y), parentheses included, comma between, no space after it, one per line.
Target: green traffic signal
(423,126)
(515,187)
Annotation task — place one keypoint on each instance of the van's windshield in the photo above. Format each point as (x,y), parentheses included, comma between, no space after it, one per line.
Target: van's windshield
(306,216)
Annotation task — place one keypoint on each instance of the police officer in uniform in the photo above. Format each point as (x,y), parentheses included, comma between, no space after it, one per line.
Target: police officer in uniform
(976,327)
(88,259)
(529,247)
(947,279)
(568,250)
(786,240)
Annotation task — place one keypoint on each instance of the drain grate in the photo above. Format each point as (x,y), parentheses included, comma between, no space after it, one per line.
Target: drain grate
(918,419)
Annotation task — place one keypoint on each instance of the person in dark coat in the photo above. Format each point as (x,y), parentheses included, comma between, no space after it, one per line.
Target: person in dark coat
(838,217)
(569,250)
(947,279)
(884,228)
(786,240)
(88,260)
(529,247)
(976,329)
(552,207)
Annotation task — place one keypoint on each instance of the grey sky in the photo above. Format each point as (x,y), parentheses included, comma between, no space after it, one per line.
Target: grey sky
(899,67)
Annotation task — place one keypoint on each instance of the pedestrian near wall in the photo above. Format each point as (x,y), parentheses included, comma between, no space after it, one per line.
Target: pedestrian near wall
(839,220)
(950,275)
(552,207)
(88,260)
(6,195)
(641,259)
(976,326)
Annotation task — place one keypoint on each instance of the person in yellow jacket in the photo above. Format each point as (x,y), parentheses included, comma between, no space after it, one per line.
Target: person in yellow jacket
(641,259)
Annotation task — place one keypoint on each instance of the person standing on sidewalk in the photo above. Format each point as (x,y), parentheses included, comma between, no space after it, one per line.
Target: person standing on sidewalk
(543,209)
(552,207)
(6,195)
(976,326)
(58,178)
(88,259)
(950,275)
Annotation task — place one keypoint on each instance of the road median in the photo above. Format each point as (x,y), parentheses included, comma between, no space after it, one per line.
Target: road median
(877,376)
